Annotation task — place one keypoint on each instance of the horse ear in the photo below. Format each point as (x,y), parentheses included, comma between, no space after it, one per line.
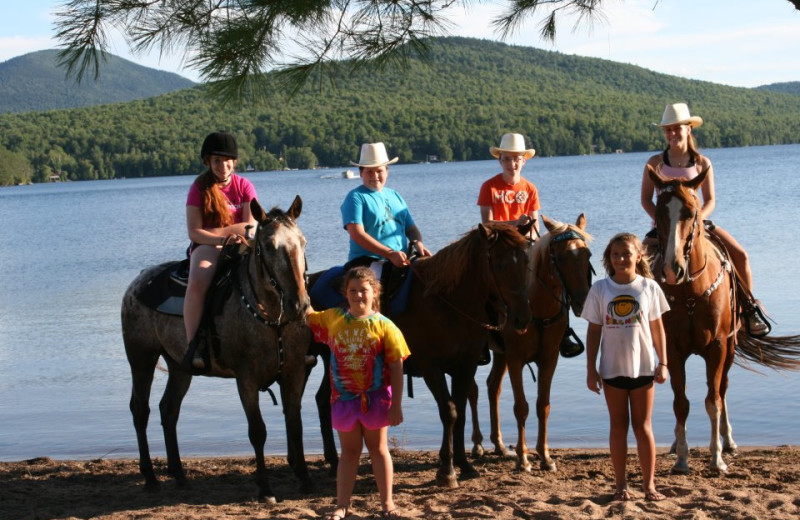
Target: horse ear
(581,221)
(256,211)
(550,224)
(486,232)
(657,179)
(697,181)
(296,207)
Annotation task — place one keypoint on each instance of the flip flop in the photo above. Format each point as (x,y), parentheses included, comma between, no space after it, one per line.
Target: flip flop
(654,496)
(336,516)
(622,495)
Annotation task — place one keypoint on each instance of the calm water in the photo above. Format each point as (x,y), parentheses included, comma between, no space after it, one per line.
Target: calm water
(69,251)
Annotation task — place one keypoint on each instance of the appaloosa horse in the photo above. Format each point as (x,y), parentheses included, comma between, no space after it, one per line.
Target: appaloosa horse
(561,276)
(704,319)
(446,326)
(262,340)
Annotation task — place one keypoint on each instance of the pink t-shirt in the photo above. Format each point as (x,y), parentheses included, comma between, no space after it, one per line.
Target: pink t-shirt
(508,201)
(239,191)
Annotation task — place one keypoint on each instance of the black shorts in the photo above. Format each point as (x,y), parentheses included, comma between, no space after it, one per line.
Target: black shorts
(629,383)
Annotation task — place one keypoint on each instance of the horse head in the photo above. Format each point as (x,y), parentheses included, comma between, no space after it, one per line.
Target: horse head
(508,270)
(280,257)
(677,222)
(569,256)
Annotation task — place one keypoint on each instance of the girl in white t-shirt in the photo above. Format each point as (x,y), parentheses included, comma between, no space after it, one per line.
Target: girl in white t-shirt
(624,314)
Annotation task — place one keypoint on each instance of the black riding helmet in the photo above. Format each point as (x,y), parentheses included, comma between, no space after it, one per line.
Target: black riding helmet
(219,143)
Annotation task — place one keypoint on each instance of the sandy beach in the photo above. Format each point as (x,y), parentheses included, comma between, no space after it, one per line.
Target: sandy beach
(761,483)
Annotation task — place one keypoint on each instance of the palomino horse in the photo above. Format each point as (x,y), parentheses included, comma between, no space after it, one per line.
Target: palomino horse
(263,339)
(445,326)
(561,276)
(704,318)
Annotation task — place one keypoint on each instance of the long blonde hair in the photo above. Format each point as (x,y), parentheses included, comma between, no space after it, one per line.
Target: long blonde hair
(642,266)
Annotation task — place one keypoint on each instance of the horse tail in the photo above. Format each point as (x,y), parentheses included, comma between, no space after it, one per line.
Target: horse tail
(776,352)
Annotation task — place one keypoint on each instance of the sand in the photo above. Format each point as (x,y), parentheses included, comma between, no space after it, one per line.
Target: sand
(761,483)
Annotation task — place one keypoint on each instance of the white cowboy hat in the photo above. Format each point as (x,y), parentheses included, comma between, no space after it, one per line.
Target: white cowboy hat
(678,114)
(373,155)
(513,143)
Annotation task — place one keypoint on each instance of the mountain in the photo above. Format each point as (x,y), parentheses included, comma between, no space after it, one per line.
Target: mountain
(33,82)
(454,104)
(789,87)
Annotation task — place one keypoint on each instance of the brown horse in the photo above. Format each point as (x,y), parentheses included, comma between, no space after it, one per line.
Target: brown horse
(446,326)
(561,276)
(705,314)
(263,339)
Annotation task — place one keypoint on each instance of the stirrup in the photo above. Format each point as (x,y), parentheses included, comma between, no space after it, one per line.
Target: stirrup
(755,322)
(570,348)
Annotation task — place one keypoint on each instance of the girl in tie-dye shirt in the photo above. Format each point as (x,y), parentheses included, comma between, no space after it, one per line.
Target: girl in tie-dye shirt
(366,372)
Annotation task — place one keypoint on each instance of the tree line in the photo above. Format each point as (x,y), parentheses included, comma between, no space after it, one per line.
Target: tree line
(453,106)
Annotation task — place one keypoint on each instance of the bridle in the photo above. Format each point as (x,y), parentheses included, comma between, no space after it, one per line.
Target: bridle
(689,242)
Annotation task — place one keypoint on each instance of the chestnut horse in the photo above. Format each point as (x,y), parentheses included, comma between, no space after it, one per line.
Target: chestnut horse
(700,285)
(445,324)
(561,276)
(263,339)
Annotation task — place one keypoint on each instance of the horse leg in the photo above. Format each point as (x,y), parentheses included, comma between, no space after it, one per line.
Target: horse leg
(291,397)
(494,386)
(714,375)
(521,415)
(257,432)
(462,383)
(178,383)
(680,406)
(477,436)
(728,444)
(323,399)
(142,375)
(547,369)
(437,384)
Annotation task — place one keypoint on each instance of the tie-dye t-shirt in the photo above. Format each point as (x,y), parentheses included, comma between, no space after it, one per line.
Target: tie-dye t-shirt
(361,350)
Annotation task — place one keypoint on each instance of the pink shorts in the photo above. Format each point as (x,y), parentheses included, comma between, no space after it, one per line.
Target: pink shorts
(345,415)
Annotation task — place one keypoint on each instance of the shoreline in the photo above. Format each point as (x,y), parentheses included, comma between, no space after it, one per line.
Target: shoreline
(761,482)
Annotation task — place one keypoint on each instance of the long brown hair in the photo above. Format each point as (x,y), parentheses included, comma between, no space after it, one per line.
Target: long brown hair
(364,274)
(642,267)
(215,205)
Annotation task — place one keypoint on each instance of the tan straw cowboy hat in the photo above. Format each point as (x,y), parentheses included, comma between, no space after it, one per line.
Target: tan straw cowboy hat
(678,114)
(513,143)
(373,155)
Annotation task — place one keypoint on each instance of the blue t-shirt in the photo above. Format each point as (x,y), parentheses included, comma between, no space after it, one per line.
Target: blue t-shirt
(383,214)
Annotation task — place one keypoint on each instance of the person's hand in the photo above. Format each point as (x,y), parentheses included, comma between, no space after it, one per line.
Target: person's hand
(662,373)
(397,258)
(593,380)
(421,249)
(395,413)
(523,219)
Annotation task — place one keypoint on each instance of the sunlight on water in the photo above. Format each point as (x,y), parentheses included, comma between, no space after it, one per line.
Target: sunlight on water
(74,247)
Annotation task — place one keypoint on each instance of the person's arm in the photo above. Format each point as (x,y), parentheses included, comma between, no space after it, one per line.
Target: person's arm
(647,192)
(707,190)
(660,344)
(396,409)
(593,334)
(363,239)
(413,234)
(215,236)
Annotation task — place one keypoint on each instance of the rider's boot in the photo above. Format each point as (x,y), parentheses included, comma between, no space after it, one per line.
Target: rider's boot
(755,321)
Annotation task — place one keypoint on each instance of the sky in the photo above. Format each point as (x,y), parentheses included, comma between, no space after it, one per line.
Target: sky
(731,42)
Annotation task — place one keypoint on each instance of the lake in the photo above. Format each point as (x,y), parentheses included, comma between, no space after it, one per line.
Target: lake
(70,250)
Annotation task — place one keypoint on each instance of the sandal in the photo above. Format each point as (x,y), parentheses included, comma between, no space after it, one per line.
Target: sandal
(336,516)
(654,496)
(622,495)
(394,513)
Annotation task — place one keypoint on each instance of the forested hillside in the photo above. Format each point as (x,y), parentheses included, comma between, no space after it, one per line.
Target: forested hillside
(789,87)
(35,82)
(454,107)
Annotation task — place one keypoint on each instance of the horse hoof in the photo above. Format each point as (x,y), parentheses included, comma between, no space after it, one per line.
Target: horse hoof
(152,486)
(447,481)
(733,451)
(269,500)
(524,468)
(477,451)
(680,469)
(548,466)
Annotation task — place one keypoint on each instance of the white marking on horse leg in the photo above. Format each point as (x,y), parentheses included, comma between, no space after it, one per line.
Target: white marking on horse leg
(681,450)
(726,430)
(714,413)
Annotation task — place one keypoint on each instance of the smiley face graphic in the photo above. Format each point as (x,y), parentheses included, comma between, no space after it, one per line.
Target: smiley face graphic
(623,306)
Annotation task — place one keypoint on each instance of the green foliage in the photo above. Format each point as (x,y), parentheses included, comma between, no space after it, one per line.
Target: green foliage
(35,82)
(789,87)
(14,168)
(455,105)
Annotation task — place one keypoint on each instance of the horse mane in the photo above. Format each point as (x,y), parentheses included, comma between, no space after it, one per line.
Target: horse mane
(277,213)
(445,270)
(540,253)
